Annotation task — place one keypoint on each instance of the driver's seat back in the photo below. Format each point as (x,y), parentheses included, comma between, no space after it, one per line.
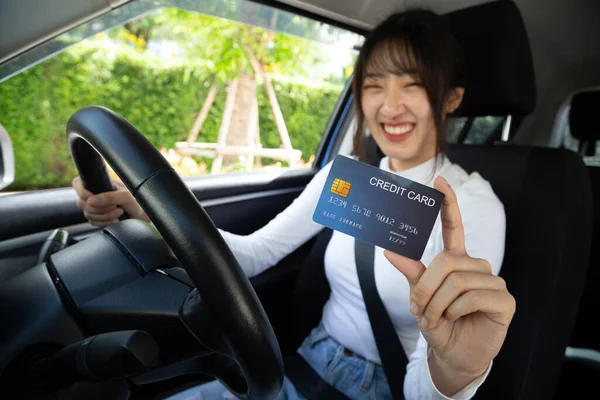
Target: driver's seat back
(547,199)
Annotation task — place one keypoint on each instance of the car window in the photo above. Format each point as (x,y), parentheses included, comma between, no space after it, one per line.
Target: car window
(477,130)
(217,86)
(572,143)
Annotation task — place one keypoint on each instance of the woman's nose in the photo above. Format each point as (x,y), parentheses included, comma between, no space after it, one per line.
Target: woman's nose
(393,103)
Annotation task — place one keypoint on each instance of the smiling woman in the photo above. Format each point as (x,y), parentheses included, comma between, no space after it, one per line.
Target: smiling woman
(407,77)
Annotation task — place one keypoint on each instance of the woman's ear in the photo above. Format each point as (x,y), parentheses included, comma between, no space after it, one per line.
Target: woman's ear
(454,99)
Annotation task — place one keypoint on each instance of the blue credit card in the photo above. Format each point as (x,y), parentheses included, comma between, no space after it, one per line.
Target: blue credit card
(378,207)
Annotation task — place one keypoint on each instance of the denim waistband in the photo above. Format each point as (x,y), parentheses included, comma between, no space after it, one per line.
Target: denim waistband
(328,358)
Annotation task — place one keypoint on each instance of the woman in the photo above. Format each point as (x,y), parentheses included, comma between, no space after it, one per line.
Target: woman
(452,316)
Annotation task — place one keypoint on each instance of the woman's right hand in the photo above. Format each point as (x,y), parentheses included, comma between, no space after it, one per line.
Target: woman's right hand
(103,209)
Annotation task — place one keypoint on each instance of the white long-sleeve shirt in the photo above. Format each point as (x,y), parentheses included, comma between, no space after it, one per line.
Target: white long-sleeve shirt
(344,316)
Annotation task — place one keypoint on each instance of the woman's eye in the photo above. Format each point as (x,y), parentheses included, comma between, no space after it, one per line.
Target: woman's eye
(413,84)
(371,86)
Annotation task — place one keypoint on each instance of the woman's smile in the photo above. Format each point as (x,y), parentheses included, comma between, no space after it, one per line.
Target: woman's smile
(397,131)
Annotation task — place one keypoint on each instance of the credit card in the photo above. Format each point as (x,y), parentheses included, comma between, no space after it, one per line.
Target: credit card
(378,207)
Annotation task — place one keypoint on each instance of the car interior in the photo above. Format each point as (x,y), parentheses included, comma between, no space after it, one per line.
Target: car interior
(165,306)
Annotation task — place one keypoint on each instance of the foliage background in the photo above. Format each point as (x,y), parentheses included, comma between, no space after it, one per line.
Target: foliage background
(160,98)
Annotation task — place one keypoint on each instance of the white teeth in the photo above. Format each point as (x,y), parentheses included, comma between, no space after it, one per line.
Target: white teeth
(399,129)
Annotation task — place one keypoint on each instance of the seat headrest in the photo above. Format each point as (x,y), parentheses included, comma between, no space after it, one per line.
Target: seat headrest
(583,116)
(499,76)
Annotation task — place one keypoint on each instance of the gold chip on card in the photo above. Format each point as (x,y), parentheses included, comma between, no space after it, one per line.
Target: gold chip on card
(340,187)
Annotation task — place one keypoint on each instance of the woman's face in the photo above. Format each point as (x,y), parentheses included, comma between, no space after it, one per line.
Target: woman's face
(399,116)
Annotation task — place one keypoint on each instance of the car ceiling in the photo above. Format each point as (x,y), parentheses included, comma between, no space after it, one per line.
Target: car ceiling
(566,56)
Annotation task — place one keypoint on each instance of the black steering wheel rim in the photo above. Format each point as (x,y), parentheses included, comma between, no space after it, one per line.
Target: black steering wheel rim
(94,133)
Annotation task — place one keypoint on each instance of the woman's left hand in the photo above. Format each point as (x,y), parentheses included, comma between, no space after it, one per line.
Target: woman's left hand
(462,308)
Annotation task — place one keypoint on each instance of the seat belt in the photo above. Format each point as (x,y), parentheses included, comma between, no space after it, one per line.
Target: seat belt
(311,385)
(392,355)
(305,379)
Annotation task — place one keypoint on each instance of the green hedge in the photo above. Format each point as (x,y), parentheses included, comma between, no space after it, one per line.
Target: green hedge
(160,99)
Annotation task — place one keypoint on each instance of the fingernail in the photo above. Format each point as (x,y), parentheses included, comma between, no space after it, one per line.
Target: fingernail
(93,201)
(414,308)
(423,323)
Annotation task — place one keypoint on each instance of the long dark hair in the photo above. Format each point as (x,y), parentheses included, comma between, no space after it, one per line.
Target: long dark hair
(417,42)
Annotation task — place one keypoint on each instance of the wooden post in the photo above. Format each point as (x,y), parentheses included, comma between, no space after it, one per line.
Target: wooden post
(258,144)
(227,112)
(252,133)
(208,102)
(205,149)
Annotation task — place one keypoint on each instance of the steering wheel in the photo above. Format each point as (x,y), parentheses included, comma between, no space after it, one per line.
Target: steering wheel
(224,313)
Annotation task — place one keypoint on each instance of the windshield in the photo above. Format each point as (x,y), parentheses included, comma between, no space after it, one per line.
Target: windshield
(217,86)
(236,10)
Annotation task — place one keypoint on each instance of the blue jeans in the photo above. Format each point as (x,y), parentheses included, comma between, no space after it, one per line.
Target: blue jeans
(352,375)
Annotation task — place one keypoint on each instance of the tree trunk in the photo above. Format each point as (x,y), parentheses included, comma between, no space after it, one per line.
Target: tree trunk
(243,117)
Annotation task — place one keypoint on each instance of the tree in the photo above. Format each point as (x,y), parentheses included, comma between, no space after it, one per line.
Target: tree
(238,55)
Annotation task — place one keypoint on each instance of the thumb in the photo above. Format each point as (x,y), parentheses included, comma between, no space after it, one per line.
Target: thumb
(411,269)
(452,228)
